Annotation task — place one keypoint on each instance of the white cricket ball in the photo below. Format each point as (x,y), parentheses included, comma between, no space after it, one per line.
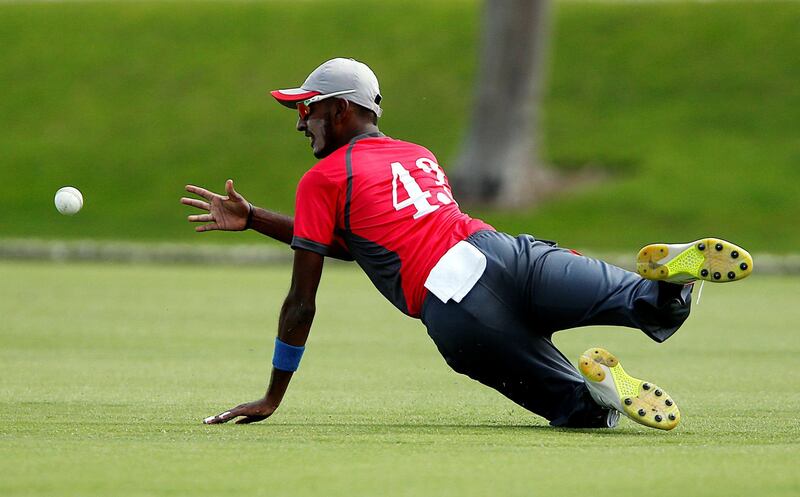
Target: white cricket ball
(68,200)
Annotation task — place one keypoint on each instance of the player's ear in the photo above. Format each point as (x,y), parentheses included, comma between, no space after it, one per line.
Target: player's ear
(340,109)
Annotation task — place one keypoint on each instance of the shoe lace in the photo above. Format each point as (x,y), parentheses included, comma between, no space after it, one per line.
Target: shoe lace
(700,292)
(612,418)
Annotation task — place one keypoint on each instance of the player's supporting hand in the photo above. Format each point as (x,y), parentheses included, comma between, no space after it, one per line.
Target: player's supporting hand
(251,412)
(223,213)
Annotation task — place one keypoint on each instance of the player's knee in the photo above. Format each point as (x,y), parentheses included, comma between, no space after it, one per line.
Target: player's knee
(454,362)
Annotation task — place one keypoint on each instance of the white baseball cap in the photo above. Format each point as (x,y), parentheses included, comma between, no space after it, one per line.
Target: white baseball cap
(344,78)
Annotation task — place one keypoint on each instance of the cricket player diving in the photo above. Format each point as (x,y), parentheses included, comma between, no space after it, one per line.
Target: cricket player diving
(490,301)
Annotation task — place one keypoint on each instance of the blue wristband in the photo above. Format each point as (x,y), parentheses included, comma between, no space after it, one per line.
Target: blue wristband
(286,357)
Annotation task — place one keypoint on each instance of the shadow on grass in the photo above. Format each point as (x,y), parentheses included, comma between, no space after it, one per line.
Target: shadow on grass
(466,428)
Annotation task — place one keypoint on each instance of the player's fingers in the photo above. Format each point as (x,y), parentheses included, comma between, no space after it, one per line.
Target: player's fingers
(207,227)
(200,218)
(221,418)
(196,203)
(230,190)
(200,191)
(250,419)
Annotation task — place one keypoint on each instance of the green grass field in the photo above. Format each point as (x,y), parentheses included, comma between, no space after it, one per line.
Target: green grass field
(107,371)
(692,106)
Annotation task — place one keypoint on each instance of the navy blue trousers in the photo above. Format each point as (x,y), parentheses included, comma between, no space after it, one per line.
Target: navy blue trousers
(500,334)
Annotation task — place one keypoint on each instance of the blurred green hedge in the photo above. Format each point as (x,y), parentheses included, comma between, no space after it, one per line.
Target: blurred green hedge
(693,109)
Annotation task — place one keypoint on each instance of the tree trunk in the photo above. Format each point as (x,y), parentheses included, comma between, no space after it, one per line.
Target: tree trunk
(498,165)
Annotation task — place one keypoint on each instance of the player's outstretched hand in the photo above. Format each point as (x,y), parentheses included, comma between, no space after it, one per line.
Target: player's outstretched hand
(227,213)
(250,413)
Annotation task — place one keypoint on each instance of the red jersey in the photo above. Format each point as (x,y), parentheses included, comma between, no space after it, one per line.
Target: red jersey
(389,203)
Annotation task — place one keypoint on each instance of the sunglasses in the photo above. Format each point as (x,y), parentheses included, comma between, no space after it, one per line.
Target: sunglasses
(303,108)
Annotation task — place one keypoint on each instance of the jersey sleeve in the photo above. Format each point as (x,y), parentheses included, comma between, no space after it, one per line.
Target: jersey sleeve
(316,209)
(339,249)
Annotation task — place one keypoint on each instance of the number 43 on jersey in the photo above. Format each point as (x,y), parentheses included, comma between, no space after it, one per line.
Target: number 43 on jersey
(417,198)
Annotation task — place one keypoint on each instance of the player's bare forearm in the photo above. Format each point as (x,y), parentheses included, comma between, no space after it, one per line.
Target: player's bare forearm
(271,224)
(297,316)
(281,227)
(294,324)
(234,213)
(278,383)
(293,327)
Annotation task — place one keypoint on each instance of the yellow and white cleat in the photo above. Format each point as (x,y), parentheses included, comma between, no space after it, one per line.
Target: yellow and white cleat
(610,386)
(709,259)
